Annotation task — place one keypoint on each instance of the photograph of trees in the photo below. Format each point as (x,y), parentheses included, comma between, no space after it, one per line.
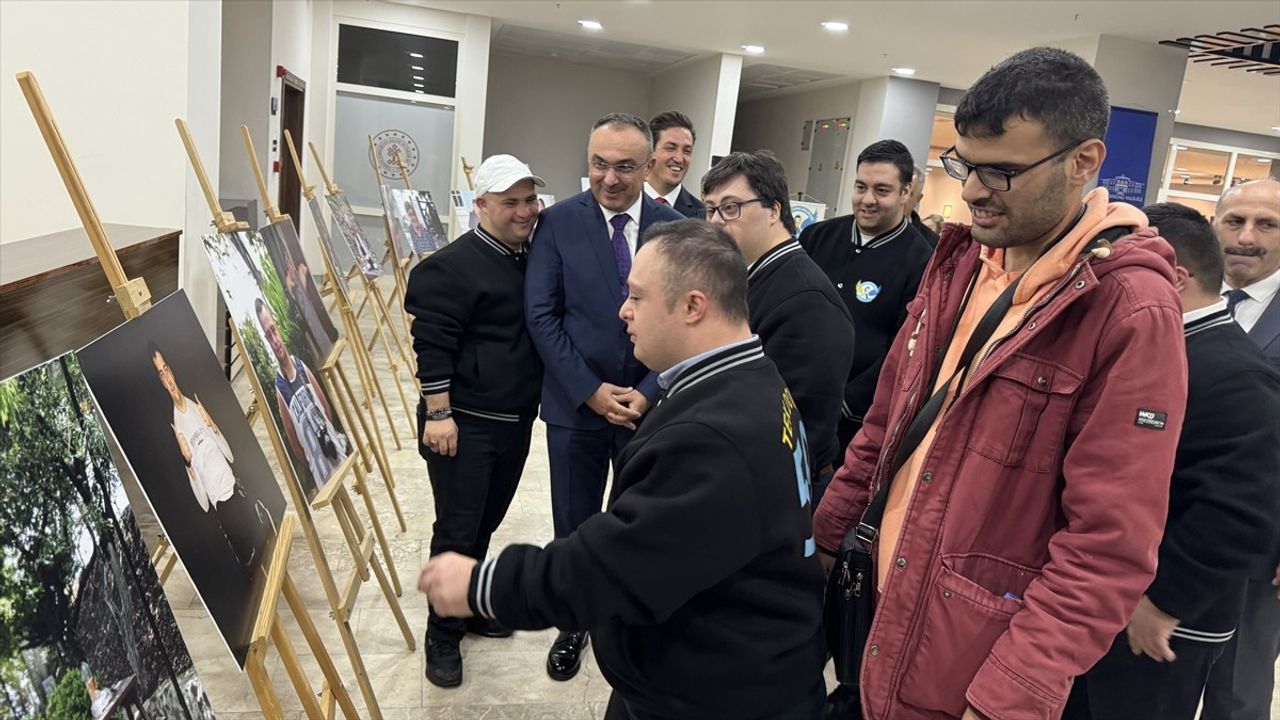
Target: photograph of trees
(87,631)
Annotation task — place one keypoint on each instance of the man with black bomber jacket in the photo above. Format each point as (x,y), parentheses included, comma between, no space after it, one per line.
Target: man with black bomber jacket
(700,582)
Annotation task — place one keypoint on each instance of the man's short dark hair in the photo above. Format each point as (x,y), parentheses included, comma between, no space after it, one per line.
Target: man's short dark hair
(153,349)
(765,175)
(671,119)
(890,151)
(1193,239)
(1057,88)
(619,120)
(701,256)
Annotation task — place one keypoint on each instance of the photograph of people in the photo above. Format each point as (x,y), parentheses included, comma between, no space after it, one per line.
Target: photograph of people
(304,410)
(208,459)
(305,304)
(345,219)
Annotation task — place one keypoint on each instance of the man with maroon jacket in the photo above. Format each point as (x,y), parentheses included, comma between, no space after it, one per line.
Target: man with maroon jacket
(1021,533)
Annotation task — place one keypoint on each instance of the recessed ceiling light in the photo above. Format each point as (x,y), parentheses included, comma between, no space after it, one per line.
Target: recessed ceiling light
(421,92)
(415,67)
(1182,170)
(835,26)
(1177,112)
(1276,128)
(1264,161)
(753,49)
(1181,147)
(904,71)
(418,77)
(419,85)
(415,55)
(592,25)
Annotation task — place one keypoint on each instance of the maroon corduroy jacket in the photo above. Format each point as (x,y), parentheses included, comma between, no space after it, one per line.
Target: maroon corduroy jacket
(1033,528)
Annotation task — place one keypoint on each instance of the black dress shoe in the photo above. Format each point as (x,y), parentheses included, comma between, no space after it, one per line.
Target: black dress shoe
(565,658)
(485,627)
(444,663)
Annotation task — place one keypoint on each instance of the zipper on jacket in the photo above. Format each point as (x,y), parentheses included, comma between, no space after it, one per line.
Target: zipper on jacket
(1048,298)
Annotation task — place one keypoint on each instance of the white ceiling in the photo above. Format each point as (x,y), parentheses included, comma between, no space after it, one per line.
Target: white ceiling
(951,42)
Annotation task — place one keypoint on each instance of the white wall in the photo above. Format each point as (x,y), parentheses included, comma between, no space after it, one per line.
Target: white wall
(549,130)
(114,102)
(705,89)
(115,76)
(777,123)
(246,95)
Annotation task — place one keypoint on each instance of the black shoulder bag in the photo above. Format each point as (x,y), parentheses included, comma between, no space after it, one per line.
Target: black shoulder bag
(850,592)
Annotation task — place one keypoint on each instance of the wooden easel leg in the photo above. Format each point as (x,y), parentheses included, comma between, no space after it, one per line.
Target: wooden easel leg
(388,328)
(383,465)
(377,531)
(261,683)
(369,378)
(291,665)
(388,591)
(336,688)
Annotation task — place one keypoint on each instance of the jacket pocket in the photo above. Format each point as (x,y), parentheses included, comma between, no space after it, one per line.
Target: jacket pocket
(1023,414)
(967,610)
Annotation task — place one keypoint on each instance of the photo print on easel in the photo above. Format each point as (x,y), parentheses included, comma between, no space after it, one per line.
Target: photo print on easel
(309,313)
(345,219)
(280,358)
(415,222)
(87,626)
(339,255)
(183,434)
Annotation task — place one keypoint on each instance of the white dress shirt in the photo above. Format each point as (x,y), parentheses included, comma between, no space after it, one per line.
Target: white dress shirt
(670,197)
(1261,294)
(631,231)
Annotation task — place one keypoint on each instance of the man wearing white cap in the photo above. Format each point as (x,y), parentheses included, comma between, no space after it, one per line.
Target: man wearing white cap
(481,380)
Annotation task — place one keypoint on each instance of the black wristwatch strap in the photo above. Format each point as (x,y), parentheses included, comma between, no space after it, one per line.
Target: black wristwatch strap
(441,414)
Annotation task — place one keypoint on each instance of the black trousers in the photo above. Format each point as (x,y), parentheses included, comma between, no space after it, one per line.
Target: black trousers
(580,462)
(1241,684)
(247,526)
(472,491)
(1124,686)
(809,708)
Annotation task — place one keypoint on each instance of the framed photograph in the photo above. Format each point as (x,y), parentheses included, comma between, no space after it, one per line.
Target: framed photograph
(807,213)
(344,219)
(87,626)
(184,437)
(339,255)
(283,364)
(415,222)
(305,304)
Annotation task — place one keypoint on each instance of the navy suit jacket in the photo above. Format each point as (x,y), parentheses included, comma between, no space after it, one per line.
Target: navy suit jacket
(1266,332)
(690,206)
(572,298)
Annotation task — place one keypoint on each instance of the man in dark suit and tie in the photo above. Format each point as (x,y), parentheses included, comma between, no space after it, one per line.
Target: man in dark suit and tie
(1248,226)
(673,139)
(594,391)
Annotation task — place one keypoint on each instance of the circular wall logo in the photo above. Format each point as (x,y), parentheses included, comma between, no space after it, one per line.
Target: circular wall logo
(395,148)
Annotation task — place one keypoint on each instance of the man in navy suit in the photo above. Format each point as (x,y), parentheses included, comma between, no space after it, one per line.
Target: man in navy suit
(673,139)
(594,391)
(1248,226)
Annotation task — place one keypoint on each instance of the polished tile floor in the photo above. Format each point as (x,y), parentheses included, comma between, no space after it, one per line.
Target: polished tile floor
(503,678)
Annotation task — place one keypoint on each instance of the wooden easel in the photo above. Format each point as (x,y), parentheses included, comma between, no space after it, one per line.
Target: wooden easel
(364,363)
(134,299)
(397,265)
(384,325)
(336,384)
(340,604)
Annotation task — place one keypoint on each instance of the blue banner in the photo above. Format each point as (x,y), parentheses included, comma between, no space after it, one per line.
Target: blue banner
(1130,136)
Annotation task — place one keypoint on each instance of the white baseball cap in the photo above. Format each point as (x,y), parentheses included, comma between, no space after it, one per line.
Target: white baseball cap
(500,172)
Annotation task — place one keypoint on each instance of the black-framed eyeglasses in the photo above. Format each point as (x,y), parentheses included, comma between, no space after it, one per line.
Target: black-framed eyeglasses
(624,169)
(996,178)
(731,210)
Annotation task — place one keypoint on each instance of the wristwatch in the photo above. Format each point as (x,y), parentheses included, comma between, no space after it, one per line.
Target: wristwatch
(441,414)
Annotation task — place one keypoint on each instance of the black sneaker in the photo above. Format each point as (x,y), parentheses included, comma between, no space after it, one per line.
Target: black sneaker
(444,663)
(484,627)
